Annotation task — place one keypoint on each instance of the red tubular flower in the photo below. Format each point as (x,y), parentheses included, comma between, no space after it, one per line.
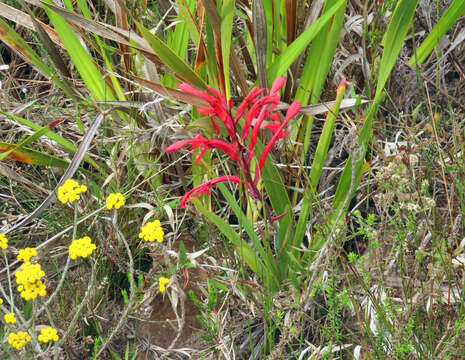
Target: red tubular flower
(218,107)
(205,144)
(259,109)
(205,187)
(249,99)
(293,110)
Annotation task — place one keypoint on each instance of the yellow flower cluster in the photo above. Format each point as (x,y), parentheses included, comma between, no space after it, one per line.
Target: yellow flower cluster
(81,247)
(1,301)
(29,280)
(10,318)
(115,200)
(152,231)
(3,241)
(70,191)
(19,339)
(162,282)
(26,254)
(47,334)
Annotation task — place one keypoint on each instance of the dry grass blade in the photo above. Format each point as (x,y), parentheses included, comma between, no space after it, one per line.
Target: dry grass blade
(318,109)
(70,171)
(165,91)
(215,21)
(100,29)
(21,18)
(259,22)
(291,20)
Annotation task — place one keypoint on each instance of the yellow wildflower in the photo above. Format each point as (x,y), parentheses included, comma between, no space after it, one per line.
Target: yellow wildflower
(29,280)
(152,231)
(3,241)
(19,339)
(47,334)
(1,301)
(26,254)
(115,200)
(81,247)
(162,282)
(10,318)
(70,191)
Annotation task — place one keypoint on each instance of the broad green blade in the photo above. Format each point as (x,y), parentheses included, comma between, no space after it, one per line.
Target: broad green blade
(317,166)
(39,132)
(11,38)
(455,10)
(243,220)
(227,16)
(170,59)
(243,249)
(85,65)
(393,40)
(293,51)
(30,156)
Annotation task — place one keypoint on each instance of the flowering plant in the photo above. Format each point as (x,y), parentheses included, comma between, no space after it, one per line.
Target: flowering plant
(235,144)
(280,260)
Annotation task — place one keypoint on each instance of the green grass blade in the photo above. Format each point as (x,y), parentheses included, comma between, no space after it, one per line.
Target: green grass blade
(170,59)
(243,249)
(455,10)
(68,145)
(10,37)
(293,51)
(315,72)
(33,157)
(279,198)
(317,166)
(242,219)
(177,40)
(393,39)
(116,85)
(325,138)
(87,69)
(320,58)
(37,134)
(227,16)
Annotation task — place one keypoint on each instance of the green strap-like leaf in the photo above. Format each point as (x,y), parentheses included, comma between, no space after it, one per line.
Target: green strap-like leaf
(288,56)
(455,10)
(170,59)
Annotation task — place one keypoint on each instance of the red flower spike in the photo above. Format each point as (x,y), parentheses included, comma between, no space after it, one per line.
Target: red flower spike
(291,112)
(188,88)
(258,109)
(255,110)
(205,187)
(256,128)
(200,141)
(274,127)
(249,99)
(277,84)
(178,145)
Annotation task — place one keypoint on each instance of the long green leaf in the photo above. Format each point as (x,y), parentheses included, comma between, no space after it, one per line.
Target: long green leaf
(87,69)
(285,60)
(30,156)
(227,16)
(68,145)
(315,72)
(317,166)
(393,39)
(455,10)
(10,37)
(170,59)
(243,249)
(37,134)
